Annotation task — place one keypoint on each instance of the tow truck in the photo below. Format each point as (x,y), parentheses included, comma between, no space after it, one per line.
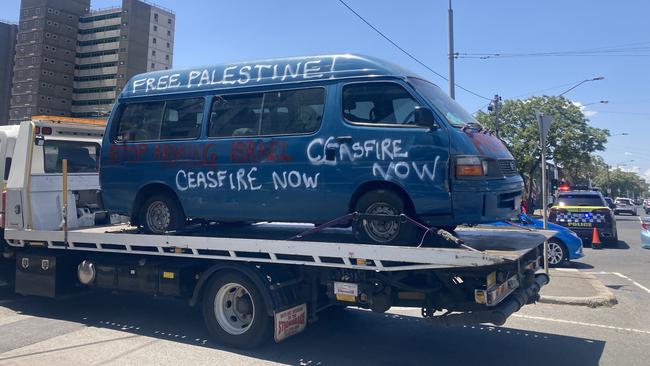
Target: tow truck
(261,282)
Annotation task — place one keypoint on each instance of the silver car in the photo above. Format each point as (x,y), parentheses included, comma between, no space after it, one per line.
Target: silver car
(625,205)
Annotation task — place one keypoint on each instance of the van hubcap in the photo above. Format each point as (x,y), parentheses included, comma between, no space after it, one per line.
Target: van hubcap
(555,254)
(234,308)
(158,217)
(379,230)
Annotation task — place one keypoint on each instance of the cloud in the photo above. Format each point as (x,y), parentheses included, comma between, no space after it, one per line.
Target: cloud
(646,175)
(631,169)
(586,111)
(627,153)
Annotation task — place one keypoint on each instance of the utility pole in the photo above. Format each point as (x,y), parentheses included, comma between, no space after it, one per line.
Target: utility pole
(496,106)
(452,78)
(544,124)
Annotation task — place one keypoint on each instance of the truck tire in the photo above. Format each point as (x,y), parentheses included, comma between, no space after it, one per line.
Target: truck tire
(386,202)
(234,311)
(161,213)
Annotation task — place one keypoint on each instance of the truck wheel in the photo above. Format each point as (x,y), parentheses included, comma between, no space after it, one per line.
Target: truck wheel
(383,202)
(234,311)
(557,253)
(161,213)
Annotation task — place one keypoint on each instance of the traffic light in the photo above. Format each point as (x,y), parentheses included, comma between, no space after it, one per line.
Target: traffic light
(554,185)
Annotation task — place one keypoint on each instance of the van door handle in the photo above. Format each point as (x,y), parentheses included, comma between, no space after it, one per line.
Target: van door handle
(344,139)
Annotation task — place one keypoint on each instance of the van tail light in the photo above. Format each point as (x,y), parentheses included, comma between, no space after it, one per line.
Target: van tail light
(645,224)
(470,167)
(46,130)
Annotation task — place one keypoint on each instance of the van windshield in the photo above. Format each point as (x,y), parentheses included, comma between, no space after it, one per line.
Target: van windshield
(454,113)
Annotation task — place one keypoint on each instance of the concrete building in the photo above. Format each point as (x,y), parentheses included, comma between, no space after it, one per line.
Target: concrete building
(71,61)
(8,33)
(44,61)
(113,45)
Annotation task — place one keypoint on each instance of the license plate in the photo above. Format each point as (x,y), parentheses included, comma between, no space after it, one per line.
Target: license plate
(290,322)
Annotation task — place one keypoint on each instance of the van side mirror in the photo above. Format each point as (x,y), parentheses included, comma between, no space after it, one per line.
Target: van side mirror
(424,117)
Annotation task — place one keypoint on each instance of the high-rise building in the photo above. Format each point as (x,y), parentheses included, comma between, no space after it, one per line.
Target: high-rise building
(8,33)
(44,61)
(113,45)
(71,61)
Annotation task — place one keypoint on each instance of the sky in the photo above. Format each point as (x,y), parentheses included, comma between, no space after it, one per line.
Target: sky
(210,31)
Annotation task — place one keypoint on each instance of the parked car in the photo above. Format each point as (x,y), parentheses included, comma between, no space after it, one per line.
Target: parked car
(565,246)
(304,139)
(582,211)
(645,232)
(625,205)
(646,206)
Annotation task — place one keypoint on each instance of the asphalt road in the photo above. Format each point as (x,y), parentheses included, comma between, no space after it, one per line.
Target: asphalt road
(105,329)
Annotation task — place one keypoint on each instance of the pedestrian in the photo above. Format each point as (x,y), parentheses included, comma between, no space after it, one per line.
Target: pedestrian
(524,206)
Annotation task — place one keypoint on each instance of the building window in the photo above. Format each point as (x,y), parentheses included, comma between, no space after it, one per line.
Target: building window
(167,57)
(169,33)
(168,45)
(153,66)
(153,52)
(154,41)
(155,28)
(169,21)
(155,17)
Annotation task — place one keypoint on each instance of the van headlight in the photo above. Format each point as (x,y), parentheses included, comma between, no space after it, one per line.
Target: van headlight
(471,166)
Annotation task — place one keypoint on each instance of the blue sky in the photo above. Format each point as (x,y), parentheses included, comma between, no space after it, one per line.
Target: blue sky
(221,31)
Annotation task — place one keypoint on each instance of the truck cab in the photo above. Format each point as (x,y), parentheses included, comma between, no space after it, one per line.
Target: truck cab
(40,147)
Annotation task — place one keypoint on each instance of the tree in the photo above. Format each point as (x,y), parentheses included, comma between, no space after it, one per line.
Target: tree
(570,143)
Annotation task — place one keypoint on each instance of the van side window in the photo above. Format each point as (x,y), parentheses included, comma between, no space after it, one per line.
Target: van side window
(292,111)
(7,168)
(82,156)
(235,115)
(140,122)
(182,119)
(272,113)
(151,121)
(380,103)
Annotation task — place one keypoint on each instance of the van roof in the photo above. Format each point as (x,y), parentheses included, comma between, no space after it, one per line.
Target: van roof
(68,120)
(258,73)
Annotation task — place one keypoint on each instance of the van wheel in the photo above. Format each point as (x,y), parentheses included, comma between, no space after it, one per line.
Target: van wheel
(160,214)
(234,311)
(383,202)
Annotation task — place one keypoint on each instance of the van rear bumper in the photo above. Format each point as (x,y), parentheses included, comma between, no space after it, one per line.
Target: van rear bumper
(486,201)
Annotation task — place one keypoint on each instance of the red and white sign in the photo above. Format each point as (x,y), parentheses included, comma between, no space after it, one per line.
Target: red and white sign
(290,322)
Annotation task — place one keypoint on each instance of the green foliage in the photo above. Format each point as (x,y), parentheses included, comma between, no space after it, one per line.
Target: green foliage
(571,139)
(570,143)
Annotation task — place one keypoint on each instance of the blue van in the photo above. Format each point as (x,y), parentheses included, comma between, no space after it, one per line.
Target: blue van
(304,139)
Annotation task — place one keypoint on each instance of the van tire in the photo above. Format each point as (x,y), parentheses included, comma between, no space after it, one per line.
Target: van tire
(216,312)
(383,201)
(161,213)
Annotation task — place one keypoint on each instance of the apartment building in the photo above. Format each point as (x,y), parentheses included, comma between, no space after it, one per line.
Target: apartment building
(73,61)
(113,45)
(8,33)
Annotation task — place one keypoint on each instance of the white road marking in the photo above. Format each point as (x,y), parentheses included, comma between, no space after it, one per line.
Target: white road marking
(618,274)
(633,281)
(594,325)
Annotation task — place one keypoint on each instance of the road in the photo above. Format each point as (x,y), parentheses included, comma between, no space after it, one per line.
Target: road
(104,329)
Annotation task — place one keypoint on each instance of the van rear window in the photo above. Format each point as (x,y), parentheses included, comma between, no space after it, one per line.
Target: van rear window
(262,114)
(169,120)
(82,156)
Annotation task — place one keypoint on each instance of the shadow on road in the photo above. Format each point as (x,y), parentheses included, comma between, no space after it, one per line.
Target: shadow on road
(349,337)
(578,265)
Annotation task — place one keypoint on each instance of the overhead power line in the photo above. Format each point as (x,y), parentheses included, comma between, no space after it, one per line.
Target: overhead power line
(410,55)
(636,49)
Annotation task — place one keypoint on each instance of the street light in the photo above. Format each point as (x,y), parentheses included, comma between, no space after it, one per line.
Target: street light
(582,82)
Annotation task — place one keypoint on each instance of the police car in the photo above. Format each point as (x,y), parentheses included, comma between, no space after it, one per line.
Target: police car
(582,211)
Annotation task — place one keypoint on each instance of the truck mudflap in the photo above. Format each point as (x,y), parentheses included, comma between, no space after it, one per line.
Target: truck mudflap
(498,314)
